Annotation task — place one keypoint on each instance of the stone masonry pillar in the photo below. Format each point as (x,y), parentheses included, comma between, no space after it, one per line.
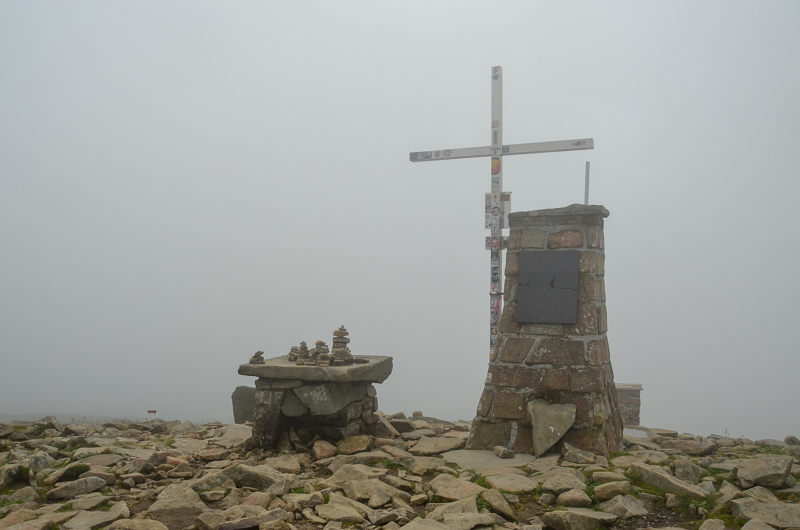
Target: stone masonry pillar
(560,363)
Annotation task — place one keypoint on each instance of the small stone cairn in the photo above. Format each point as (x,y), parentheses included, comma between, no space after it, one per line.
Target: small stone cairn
(320,355)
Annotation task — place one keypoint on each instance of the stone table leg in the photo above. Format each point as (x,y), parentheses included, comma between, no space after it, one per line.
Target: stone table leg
(267,418)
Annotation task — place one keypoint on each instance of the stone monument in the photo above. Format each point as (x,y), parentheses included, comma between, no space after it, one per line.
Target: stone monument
(550,370)
(315,392)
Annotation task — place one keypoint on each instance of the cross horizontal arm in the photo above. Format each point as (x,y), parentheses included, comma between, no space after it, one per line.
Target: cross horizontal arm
(516,149)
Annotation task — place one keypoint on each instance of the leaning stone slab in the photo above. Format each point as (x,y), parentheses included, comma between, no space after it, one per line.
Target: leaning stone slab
(434,446)
(577,519)
(375,371)
(77,487)
(364,489)
(499,504)
(624,507)
(549,423)
(563,482)
(667,482)
(363,509)
(781,515)
(765,470)
(271,516)
(233,436)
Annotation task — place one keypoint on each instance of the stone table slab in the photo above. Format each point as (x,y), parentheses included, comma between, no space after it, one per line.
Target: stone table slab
(376,371)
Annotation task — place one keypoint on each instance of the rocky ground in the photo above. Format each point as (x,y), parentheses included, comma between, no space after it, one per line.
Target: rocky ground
(155,475)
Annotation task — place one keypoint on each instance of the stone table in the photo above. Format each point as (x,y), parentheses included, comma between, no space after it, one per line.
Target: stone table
(332,401)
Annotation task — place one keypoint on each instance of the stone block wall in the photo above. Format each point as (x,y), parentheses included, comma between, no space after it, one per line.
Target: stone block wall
(629,396)
(561,363)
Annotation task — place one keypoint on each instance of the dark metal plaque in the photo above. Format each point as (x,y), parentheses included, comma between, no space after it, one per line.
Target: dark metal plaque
(548,286)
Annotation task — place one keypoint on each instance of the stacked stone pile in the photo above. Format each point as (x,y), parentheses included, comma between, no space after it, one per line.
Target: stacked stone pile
(413,473)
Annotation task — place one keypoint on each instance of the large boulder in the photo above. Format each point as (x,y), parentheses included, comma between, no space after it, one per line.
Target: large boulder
(765,470)
(244,402)
(176,501)
(77,487)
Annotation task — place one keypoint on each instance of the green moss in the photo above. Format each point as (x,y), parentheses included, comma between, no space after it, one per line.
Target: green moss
(65,508)
(481,481)
(74,472)
(483,504)
(385,463)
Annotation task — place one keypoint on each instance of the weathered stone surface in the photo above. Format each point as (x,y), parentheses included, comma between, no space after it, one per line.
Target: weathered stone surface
(350,472)
(562,482)
(624,507)
(574,498)
(754,524)
(267,419)
(467,521)
(667,482)
(776,515)
(512,483)
(243,399)
(713,524)
(137,524)
(467,505)
(361,490)
(498,503)
(97,519)
(764,470)
(77,487)
(232,436)
(602,477)
(426,524)
(577,456)
(176,500)
(451,488)
(323,449)
(354,444)
(578,519)
(549,422)
(375,371)
(484,459)
(690,447)
(606,491)
(426,446)
(338,512)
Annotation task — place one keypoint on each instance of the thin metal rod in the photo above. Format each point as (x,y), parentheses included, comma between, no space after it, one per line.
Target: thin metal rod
(586,190)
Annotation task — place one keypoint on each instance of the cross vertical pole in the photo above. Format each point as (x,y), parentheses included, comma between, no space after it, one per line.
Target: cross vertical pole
(495,211)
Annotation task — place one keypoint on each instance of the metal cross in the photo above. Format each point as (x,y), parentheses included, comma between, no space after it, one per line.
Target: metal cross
(495,208)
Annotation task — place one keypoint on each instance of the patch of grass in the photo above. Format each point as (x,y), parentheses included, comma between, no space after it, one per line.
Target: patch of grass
(767,450)
(590,492)
(483,504)
(6,502)
(647,488)
(730,521)
(481,481)
(385,463)
(789,497)
(67,507)
(298,490)
(439,500)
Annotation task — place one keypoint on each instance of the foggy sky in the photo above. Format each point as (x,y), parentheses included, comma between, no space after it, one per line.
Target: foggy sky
(185,183)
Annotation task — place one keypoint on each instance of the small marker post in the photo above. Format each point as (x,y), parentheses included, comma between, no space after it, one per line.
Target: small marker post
(586,189)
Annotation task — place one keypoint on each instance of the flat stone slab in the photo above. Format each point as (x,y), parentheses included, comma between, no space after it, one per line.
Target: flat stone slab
(482,460)
(375,371)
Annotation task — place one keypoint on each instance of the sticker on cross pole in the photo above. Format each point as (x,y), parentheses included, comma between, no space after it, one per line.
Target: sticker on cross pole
(496,166)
